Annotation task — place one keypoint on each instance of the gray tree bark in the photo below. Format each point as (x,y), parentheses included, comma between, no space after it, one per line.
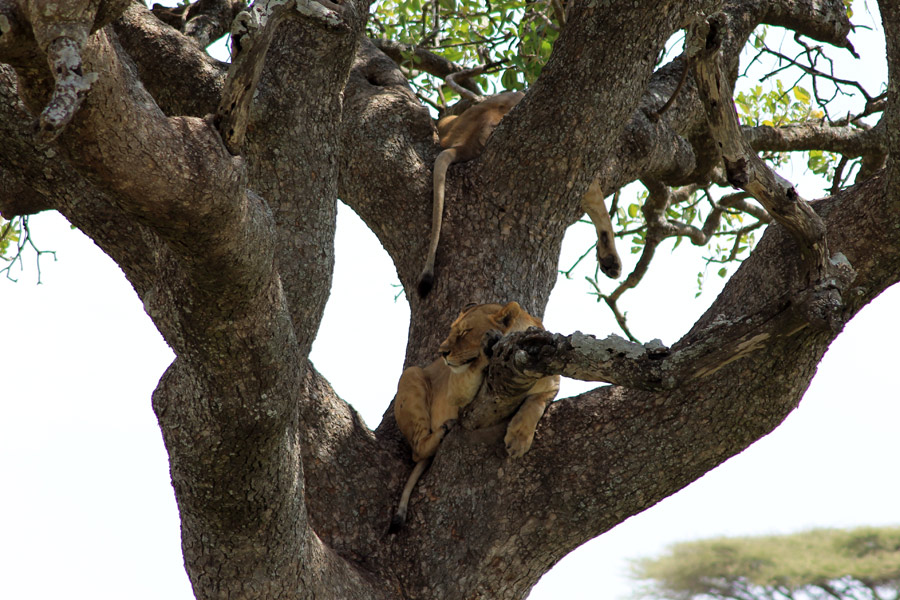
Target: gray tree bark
(282,490)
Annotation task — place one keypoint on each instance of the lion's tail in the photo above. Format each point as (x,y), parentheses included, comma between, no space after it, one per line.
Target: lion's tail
(441,164)
(400,517)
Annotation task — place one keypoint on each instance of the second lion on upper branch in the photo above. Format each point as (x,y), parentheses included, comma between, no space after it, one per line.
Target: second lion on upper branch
(464,138)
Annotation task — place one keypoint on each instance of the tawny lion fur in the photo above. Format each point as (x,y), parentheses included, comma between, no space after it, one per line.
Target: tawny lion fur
(429,399)
(464,138)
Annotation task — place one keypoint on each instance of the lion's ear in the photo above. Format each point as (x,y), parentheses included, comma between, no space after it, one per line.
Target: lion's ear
(508,314)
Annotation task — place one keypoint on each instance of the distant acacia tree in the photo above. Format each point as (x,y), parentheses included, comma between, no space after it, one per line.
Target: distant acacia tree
(860,564)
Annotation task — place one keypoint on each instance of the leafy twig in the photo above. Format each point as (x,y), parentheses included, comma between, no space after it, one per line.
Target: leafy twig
(18,231)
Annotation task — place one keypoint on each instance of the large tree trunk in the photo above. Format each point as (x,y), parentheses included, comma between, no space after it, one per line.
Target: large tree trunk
(282,490)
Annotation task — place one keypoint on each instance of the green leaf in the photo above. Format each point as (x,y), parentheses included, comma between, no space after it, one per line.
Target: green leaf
(508,79)
(802,95)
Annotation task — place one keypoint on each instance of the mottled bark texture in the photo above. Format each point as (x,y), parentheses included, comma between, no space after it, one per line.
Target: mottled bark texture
(282,491)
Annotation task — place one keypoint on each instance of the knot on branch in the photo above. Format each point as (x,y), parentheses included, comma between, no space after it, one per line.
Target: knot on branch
(512,372)
(736,173)
(70,89)
(60,29)
(520,359)
(822,305)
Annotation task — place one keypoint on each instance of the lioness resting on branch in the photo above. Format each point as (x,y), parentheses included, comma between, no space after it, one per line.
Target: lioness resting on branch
(429,399)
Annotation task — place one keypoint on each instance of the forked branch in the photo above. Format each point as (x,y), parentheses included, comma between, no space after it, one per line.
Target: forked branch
(252,34)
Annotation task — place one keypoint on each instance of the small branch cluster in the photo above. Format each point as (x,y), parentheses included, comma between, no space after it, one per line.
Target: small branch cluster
(862,147)
(807,61)
(18,234)
(659,226)
(203,21)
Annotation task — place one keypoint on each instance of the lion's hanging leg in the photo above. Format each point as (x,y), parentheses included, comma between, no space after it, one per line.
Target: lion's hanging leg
(412,411)
(595,207)
(520,431)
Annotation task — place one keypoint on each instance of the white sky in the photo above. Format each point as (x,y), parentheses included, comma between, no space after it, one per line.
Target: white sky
(86,505)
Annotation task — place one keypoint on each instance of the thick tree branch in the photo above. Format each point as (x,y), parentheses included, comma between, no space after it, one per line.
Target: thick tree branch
(181,77)
(520,359)
(890,17)
(847,140)
(389,143)
(744,169)
(167,161)
(292,151)
(36,179)
(228,407)
(60,32)
(251,37)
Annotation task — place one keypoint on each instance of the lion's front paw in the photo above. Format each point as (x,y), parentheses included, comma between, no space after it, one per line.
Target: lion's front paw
(518,439)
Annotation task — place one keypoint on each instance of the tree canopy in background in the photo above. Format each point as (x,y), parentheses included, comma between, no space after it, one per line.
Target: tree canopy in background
(822,564)
(462,49)
(449,48)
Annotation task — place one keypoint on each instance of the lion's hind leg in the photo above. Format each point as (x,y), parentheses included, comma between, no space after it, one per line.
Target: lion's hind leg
(412,410)
(607,256)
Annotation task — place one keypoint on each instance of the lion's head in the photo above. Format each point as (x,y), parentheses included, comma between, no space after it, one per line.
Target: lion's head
(464,347)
